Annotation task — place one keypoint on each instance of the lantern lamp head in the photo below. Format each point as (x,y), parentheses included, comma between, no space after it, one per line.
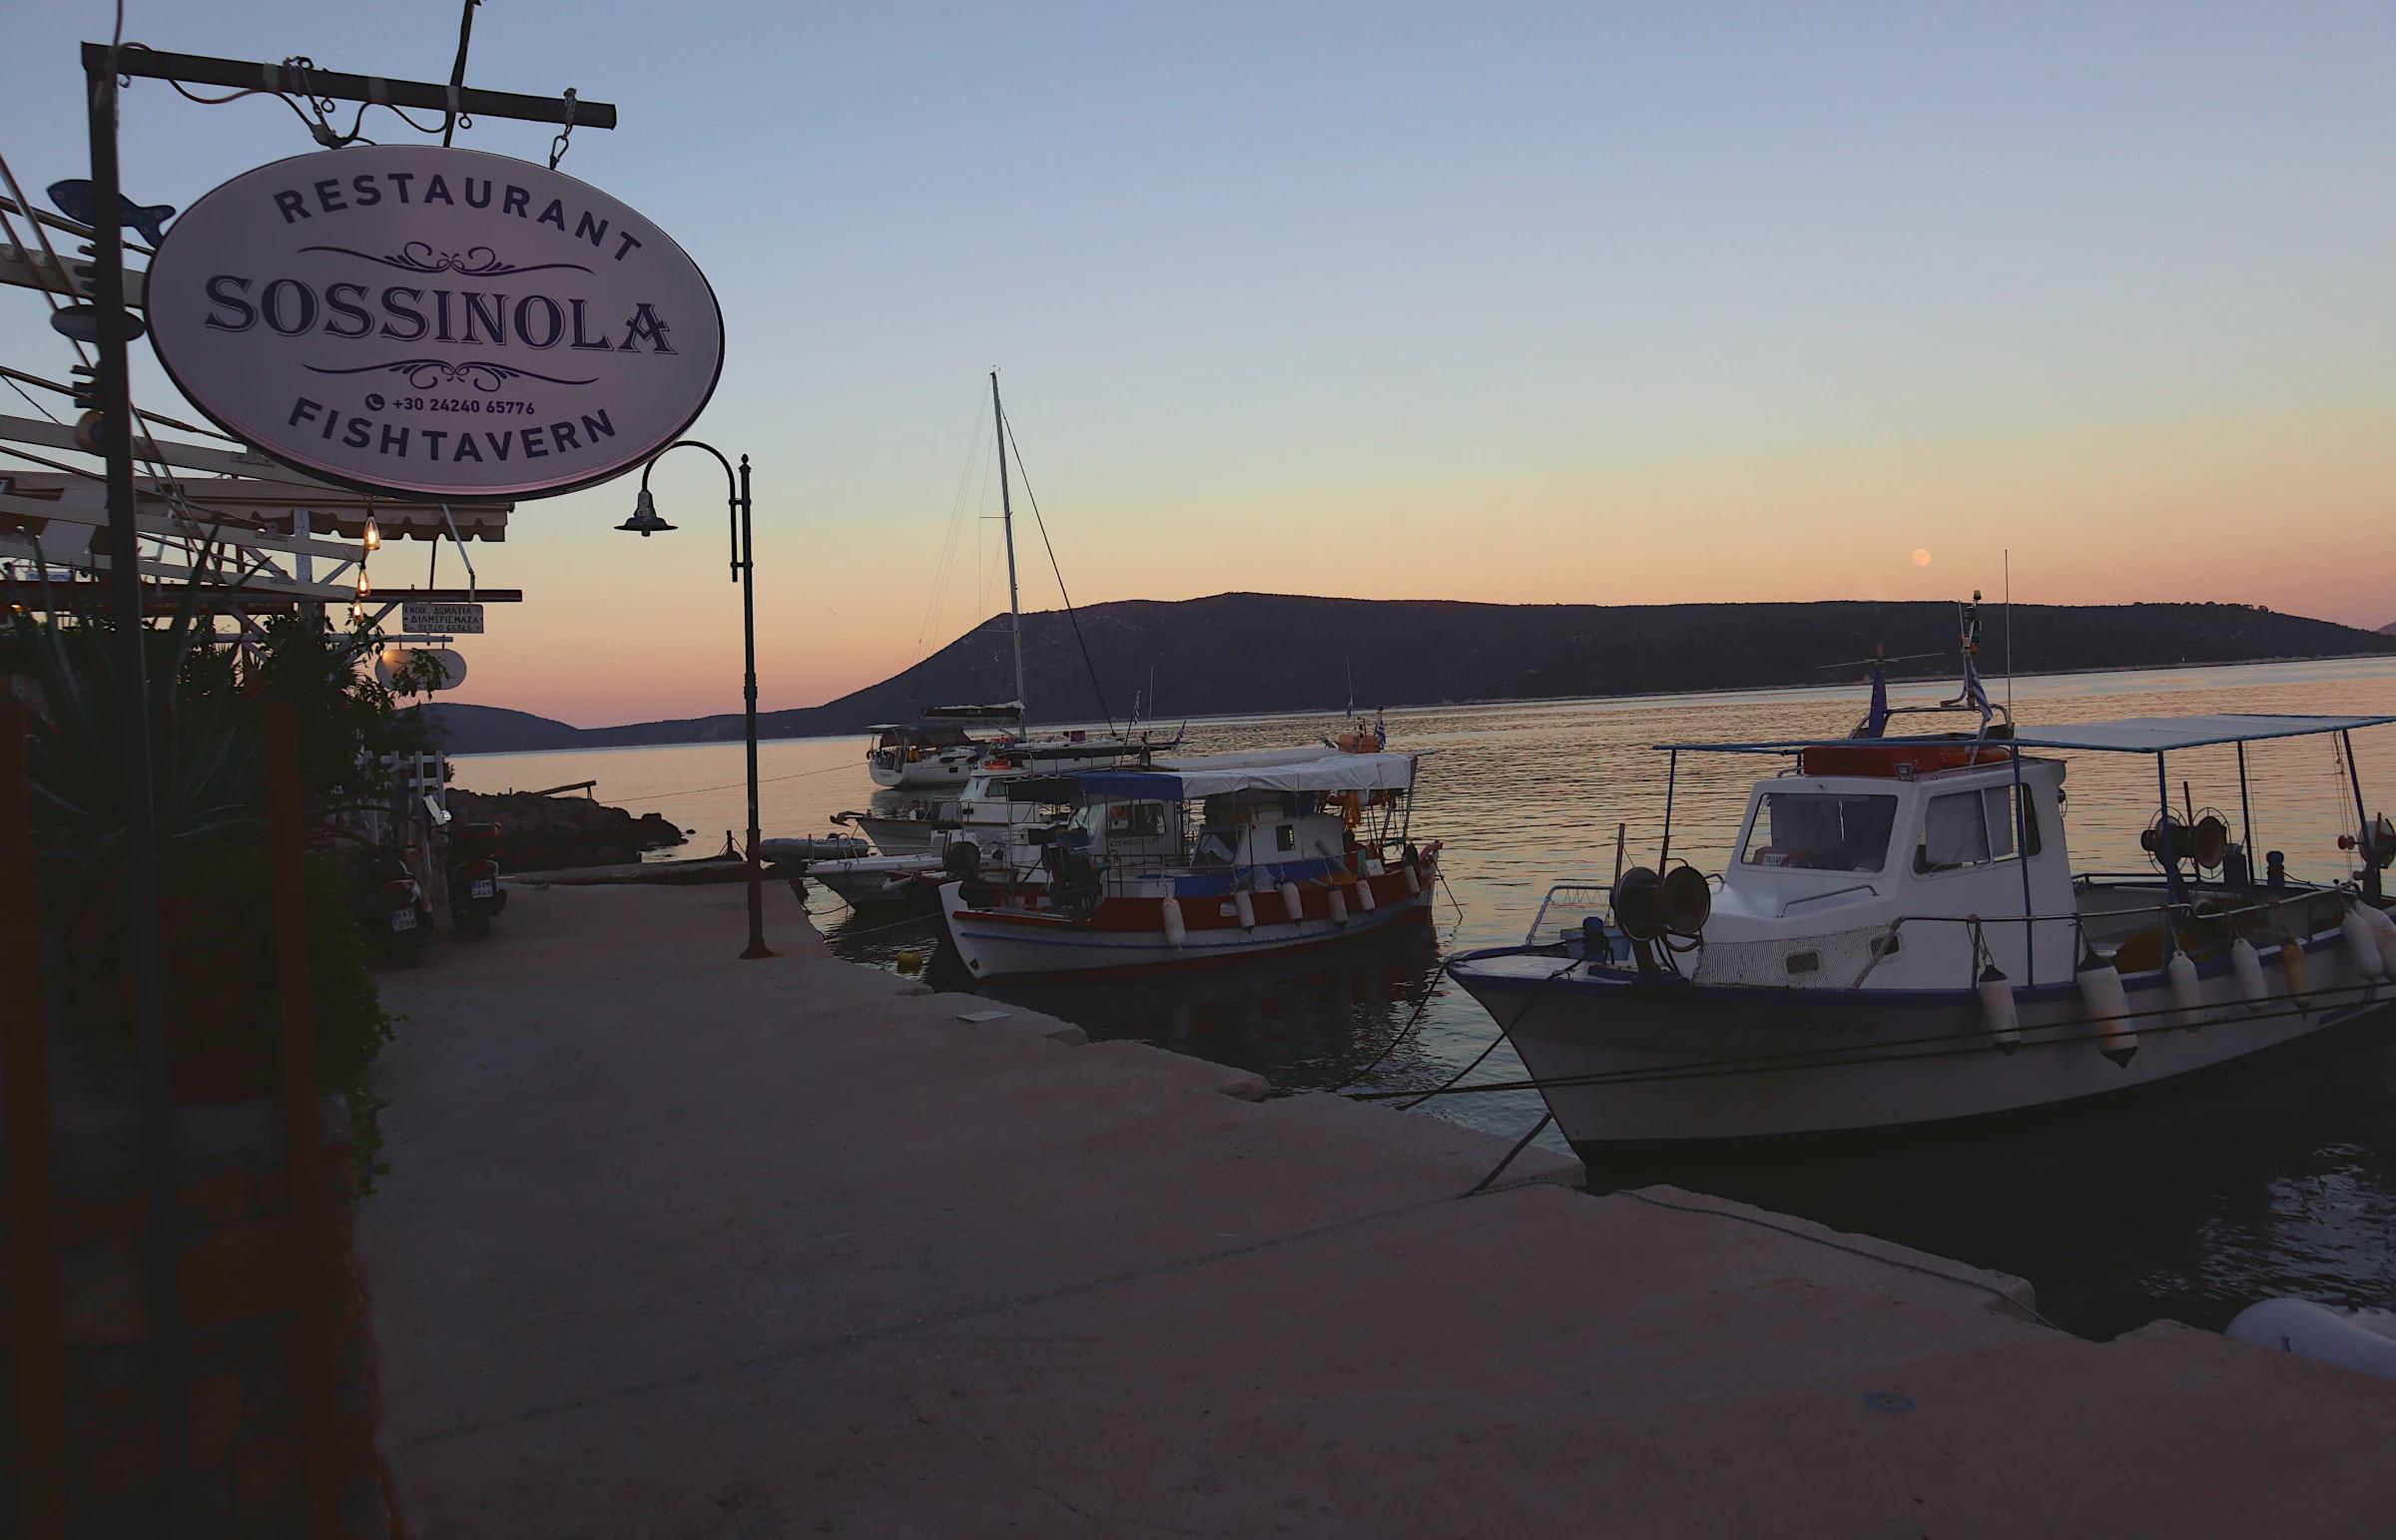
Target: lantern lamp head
(644,521)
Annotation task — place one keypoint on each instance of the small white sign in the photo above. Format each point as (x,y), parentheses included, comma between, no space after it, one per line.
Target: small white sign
(441,619)
(442,323)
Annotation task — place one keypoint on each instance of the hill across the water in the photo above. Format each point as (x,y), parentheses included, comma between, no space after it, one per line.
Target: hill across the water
(1252,653)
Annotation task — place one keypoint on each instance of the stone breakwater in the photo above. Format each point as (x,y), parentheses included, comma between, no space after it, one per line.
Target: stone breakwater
(549,833)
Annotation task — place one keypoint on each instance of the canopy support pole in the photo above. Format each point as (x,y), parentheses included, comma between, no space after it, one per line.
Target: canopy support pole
(2362,822)
(2030,927)
(2245,812)
(1671,775)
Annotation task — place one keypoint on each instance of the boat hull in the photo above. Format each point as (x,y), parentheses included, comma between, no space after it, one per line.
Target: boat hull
(1016,945)
(895,836)
(1655,1062)
(878,880)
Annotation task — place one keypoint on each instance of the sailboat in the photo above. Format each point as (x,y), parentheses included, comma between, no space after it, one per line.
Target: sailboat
(939,751)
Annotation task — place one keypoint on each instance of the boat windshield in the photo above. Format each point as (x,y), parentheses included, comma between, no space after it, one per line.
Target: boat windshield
(1821,831)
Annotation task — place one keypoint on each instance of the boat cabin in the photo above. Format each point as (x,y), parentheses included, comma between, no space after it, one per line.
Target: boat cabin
(1819,855)
(1226,820)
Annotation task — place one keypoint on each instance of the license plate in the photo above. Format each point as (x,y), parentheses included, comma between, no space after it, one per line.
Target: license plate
(403,919)
(483,888)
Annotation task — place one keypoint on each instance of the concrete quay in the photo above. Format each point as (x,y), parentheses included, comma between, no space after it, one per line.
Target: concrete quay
(675,1245)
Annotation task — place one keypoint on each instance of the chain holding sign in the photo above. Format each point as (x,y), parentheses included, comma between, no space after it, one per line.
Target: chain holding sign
(430,618)
(444,323)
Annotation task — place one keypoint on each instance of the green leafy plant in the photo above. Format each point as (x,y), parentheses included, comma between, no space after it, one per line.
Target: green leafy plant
(216,920)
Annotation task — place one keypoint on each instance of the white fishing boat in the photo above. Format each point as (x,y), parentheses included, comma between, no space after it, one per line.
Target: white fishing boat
(1209,860)
(1901,939)
(938,751)
(871,882)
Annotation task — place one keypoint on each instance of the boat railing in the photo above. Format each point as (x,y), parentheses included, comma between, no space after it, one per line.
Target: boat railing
(2170,916)
(2268,911)
(1836,893)
(1600,893)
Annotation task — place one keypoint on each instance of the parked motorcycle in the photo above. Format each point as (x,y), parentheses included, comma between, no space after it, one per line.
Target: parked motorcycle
(405,913)
(475,891)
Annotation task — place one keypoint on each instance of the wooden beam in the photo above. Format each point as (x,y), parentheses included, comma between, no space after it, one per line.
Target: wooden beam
(32,269)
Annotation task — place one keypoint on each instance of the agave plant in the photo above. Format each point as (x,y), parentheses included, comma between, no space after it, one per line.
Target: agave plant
(203,742)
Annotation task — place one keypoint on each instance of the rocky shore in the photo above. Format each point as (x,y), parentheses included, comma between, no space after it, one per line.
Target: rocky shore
(550,833)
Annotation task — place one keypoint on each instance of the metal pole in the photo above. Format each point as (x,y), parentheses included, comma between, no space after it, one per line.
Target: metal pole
(304,1135)
(747,554)
(2030,938)
(125,590)
(2246,812)
(2366,857)
(1014,603)
(40,1361)
(1671,778)
(2163,785)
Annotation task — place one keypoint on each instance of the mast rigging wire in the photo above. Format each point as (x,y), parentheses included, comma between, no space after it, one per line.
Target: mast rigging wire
(1008,429)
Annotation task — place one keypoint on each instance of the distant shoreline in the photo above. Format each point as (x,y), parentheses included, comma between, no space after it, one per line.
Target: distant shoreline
(1495,702)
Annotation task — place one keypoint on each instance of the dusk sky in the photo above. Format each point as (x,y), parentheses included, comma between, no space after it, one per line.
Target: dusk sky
(1510,302)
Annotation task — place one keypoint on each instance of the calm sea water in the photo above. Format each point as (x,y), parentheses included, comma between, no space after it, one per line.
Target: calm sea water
(2190,1203)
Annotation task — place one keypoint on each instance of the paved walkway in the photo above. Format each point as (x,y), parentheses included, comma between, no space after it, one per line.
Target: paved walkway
(676,1245)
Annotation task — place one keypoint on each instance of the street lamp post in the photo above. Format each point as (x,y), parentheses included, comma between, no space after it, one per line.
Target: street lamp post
(645,522)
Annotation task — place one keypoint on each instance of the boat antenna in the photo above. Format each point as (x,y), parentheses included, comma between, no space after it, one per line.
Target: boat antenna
(1015,598)
(2008,635)
(1348,665)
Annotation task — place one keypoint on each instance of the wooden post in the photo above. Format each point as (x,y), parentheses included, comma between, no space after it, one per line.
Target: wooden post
(313,1278)
(31,1243)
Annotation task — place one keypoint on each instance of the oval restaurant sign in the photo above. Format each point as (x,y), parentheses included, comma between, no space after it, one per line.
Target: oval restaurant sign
(444,323)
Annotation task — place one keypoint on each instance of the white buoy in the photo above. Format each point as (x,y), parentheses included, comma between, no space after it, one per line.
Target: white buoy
(2100,990)
(1363,896)
(1175,931)
(1244,907)
(2247,964)
(2187,992)
(1291,904)
(2383,930)
(2298,968)
(1997,1003)
(1413,885)
(1338,908)
(2363,944)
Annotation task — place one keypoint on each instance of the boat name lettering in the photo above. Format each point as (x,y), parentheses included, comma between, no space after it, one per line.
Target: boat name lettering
(305,304)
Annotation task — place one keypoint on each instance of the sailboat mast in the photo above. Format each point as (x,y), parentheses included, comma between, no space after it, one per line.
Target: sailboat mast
(1014,603)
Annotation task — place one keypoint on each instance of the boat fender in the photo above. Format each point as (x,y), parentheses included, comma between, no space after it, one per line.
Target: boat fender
(1338,908)
(1996,1002)
(2187,992)
(2359,1339)
(1175,931)
(2294,964)
(1291,904)
(1413,885)
(2100,990)
(2383,930)
(2364,944)
(1363,895)
(1245,908)
(2247,964)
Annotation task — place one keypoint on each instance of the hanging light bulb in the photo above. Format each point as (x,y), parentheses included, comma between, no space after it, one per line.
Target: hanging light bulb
(365,588)
(373,537)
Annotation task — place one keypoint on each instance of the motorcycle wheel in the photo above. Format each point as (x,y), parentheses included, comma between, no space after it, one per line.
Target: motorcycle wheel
(472,924)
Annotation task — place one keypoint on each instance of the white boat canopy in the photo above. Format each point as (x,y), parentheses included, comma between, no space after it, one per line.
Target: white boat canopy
(2127,735)
(1214,775)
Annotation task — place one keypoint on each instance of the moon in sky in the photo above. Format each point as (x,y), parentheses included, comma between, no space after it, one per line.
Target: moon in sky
(1921,558)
